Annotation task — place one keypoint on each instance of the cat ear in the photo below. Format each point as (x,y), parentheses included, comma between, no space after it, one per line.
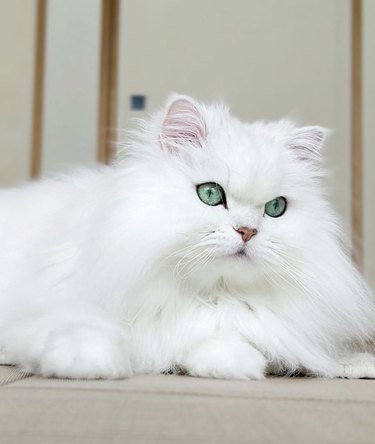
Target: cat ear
(183,124)
(307,142)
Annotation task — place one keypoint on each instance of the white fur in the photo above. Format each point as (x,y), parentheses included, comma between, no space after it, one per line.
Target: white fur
(123,270)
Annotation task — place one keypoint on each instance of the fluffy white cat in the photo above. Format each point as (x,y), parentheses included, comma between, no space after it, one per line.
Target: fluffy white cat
(209,247)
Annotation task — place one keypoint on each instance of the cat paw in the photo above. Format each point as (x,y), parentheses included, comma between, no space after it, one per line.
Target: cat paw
(80,351)
(356,366)
(225,359)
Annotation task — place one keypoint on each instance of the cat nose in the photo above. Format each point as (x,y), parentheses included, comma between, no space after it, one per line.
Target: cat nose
(246,233)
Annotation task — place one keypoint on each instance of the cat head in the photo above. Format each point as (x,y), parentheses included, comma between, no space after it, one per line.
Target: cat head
(234,200)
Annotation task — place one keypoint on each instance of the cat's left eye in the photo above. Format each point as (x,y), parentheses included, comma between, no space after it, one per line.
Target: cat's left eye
(275,207)
(211,193)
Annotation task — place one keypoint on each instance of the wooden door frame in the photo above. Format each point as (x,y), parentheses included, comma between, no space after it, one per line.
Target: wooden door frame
(38,92)
(108,90)
(356,132)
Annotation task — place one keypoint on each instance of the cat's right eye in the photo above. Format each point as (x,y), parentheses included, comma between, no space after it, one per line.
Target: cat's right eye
(211,193)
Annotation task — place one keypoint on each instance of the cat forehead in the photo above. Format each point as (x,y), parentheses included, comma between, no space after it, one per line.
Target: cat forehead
(251,162)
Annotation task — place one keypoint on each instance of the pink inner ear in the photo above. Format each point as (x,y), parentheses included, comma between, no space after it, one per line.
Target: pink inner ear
(182,124)
(307,143)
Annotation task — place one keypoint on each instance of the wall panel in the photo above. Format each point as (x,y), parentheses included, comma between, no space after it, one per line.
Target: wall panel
(17,45)
(70,113)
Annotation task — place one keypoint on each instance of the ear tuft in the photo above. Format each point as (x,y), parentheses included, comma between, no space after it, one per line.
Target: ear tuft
(307,142)
(183,124)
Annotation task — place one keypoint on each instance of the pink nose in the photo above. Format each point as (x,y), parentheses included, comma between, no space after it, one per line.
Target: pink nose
(246,233)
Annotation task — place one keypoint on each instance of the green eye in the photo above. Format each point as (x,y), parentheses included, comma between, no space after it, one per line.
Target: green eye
(275,207)
(211,193)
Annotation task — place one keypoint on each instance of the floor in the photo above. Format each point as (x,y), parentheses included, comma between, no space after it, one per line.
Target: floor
(181,409)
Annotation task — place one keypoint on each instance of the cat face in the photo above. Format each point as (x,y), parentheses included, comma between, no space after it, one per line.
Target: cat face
(242,200)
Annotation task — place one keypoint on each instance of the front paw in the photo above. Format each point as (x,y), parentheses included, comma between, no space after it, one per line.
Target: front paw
(85,351)
(225,359)
(356,366)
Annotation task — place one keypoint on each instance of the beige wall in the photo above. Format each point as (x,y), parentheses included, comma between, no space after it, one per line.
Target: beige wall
(17,41)
(71,85)
(266,59)
(369,139)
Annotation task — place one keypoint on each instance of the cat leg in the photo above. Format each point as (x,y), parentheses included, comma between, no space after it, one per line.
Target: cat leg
(356,365)
(87,348)
(224,359)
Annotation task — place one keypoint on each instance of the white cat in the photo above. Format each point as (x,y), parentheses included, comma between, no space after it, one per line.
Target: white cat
(209,248)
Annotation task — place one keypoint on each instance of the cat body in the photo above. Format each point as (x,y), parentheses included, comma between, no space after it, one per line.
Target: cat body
(126,269)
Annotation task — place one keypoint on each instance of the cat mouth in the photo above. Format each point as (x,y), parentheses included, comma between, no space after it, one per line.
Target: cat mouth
(240,253)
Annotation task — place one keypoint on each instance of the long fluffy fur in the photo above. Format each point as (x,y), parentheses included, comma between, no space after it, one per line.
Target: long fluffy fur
(123,270)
